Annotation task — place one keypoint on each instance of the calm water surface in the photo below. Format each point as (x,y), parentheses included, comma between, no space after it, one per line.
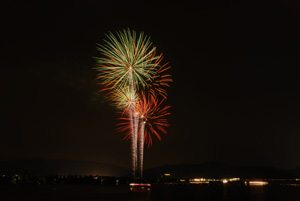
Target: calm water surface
(158,193)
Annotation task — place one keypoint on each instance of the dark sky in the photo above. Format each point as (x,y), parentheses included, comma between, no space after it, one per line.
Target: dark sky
(235,65)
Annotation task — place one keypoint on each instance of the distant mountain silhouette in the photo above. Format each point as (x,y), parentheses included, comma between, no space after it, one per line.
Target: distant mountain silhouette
(205,170)
(217,170)
(62,167)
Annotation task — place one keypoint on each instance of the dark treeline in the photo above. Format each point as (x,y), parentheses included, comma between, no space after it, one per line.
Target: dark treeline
(75,179)
(61,179)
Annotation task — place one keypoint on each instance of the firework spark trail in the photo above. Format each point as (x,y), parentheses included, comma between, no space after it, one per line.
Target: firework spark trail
(136,124)
(134,127)
(133,147)
(141,148)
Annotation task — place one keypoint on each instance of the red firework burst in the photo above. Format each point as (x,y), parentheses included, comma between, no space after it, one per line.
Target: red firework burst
(152,114)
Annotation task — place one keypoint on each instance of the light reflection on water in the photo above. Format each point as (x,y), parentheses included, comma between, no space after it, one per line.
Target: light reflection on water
(261,192)
(190,192)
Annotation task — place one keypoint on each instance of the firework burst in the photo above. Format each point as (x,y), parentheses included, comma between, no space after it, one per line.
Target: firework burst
(160,81)
(127,58)
(152,114)
(123,99)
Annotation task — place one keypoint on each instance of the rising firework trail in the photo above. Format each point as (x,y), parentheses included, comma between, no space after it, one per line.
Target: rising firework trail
(141,143)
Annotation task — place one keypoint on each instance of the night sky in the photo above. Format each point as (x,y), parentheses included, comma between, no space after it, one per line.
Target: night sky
(235,96)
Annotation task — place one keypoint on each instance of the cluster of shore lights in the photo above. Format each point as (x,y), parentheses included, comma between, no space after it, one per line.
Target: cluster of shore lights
(203,180)
(225,181)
